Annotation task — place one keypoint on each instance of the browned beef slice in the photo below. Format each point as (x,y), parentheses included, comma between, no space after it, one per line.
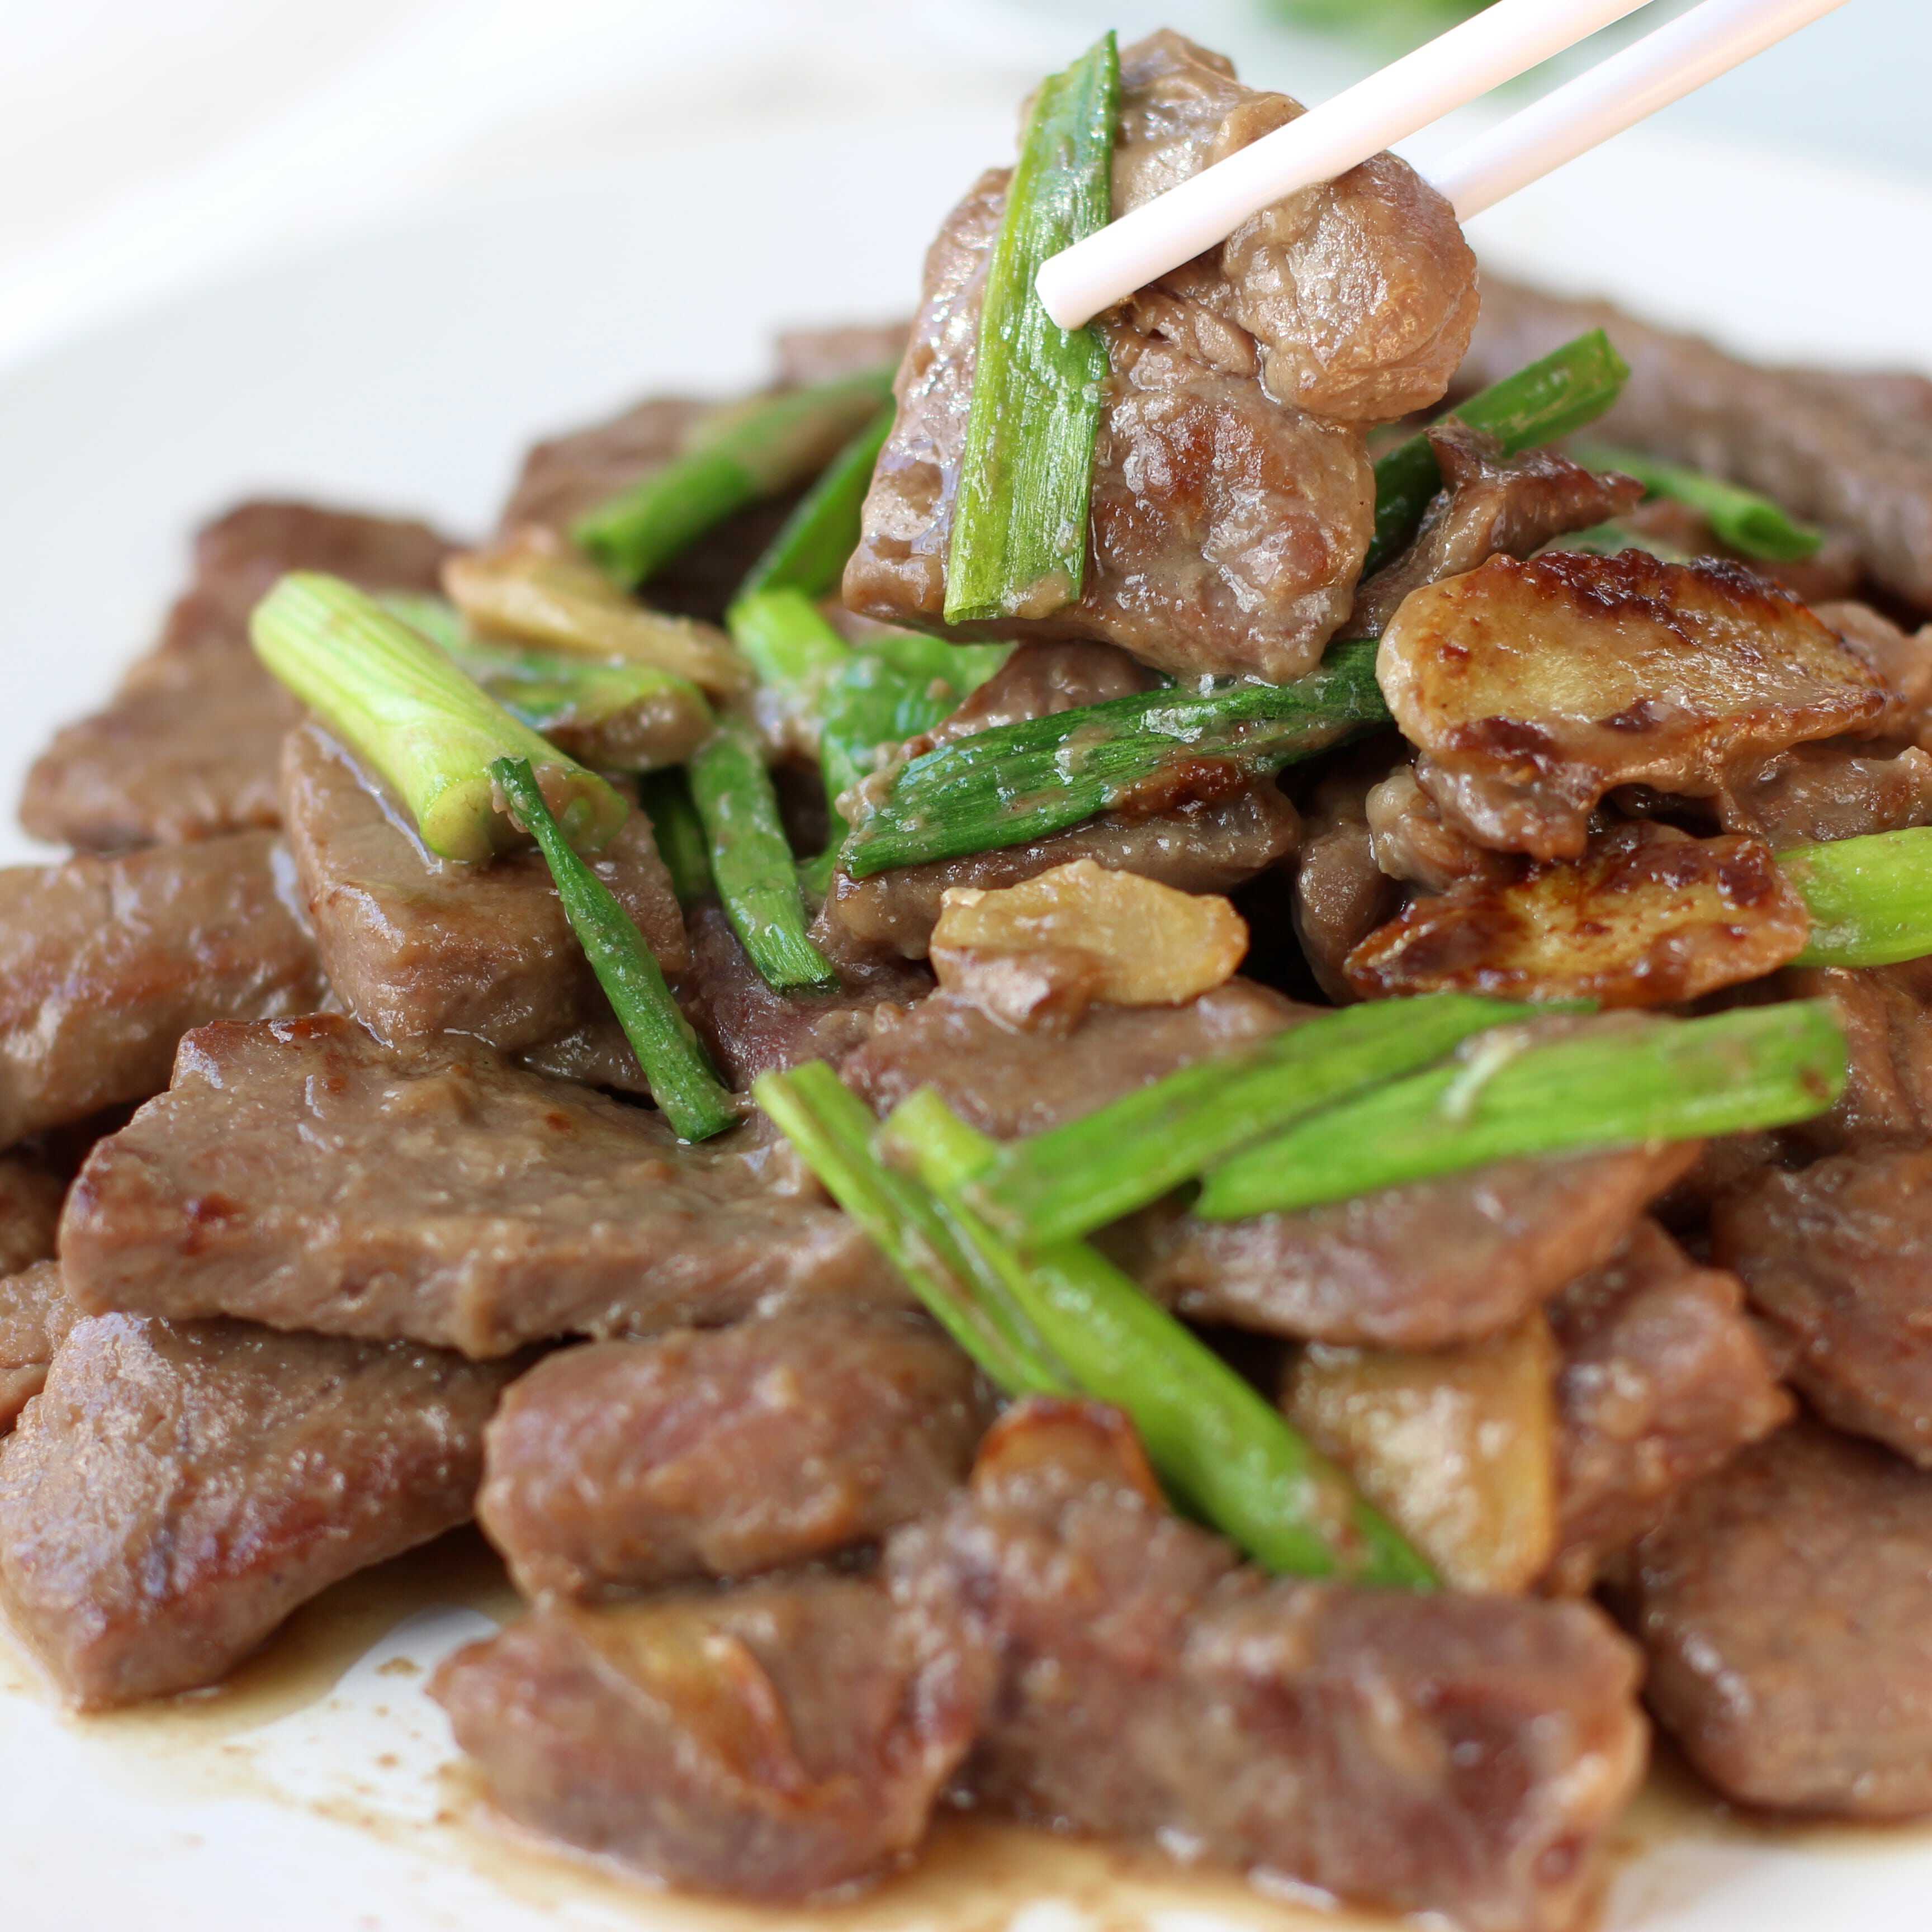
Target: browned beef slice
(1888,1097)
(30,1206)
(35,1315)
(174,1492)
(1208,845)
(187,747)
(416,946)
(1417,1266)
(1007,1082)
(808,355)
(106,962)
(722,1452)
(1838,449)
(1785,1604)
(752,1027)
(1836,1257)
(774,1742)
(299,1174)
(1663,1379)
(1341,893)
(1042,681)
(1442,1752)
(1832,790)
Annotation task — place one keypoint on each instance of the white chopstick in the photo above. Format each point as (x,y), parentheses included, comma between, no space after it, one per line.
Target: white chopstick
(1492,46)
(1627,88)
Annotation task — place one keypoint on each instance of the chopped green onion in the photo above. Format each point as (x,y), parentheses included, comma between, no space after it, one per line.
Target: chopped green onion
(1567,389)
(738,456)
(682,1080)
(1655,1080)
(1871,898)
(408,712)
(1018,546)
(750,859)
(1227,1453)
(1094,1169)
(1740,519)
(665,797)
(810,553)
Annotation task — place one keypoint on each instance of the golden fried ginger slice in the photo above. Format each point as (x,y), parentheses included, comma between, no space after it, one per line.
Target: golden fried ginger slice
(1532,689)
(1648,918)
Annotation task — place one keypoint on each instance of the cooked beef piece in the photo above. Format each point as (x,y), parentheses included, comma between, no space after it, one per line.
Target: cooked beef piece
(187,748)
(1832,790)
(1447,1753)
(1209,845)
(174,1492)
(1663,1379)
(1647,917)
(106,962)
(1491,505)
(1413,841)
(301,1174)
(30,1206)
(1836,1257)
(1533,689)
(1902,664)
(562,478)
(1041,681)
(722,1452)
(1341,894)
(1786,1604)
(1009,1083)
(35,1315)
(1417,1266)
(1837,449)
(416,946)
(1232,499)
(1886,1013)
(808,355)
(752,1028)
(775,1741)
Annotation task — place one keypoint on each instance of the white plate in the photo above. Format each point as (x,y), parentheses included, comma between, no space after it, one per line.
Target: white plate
(405,367)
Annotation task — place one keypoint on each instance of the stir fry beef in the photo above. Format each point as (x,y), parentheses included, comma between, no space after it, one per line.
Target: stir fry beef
(1853,452)
(1648,918)
(1883,1012)
(35,1315)
(1412,841)
(1534,689)
(1042,681)
(751,1027)
(808,355)
(173,1493)
(1818,793)
(1008,1082)
(1341,893)
(30,1205)
(1490,505)
(301,1174)
(106,962)
(1458,1754)
(724,1452)
(1662,1380)
(1835,1259)
(776,1741)
(416,946)
(1232,497)
(187,748)
(1422,1266)
(1901,662)
(1785,1605)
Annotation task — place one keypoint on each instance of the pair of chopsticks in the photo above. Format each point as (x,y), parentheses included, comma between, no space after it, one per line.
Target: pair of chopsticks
(1505,40)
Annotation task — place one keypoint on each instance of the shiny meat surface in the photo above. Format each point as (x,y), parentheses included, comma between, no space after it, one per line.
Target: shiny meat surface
(415,946)
(721,1452)
(1853,451)
(1041,681)
(1832,790)
(1533,689)
(174,1492)
(1411,840)
(1786,1607)
(106,962)
(1662,1380)
(35,1315)
(1648,918)
(187,748)
(1422,1266)
(775,1742)
(1443,1753)
(1886,1015)
(1341,894)
(299,1174)
(1490,505)
(1208,846)
(30,1206)
(1008,1082)
(1836,1259)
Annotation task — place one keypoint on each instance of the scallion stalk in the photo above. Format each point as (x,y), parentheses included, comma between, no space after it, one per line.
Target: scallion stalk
(1740,519)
